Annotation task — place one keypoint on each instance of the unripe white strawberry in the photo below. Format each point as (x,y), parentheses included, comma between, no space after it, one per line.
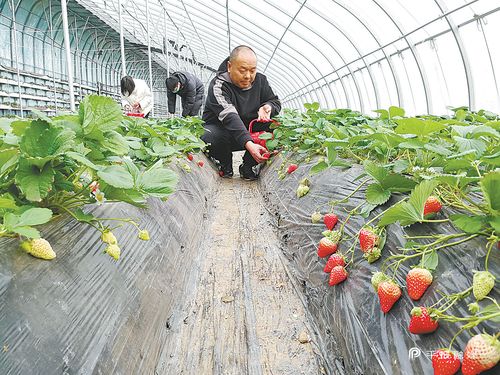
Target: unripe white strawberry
(108,237)
(113,251)
(144,235)
(39,248)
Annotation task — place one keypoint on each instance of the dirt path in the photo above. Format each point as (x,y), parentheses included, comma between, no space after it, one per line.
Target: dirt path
(241,314)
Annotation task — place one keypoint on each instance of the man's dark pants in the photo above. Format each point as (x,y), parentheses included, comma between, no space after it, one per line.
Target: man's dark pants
(222,144)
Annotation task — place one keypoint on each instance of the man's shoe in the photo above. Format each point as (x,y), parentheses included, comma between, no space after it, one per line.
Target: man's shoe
(248,172)
(226,172)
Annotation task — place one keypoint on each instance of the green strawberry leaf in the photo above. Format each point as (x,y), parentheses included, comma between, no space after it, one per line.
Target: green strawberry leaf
(7,202)
(397,183)
(490,310)
(35,216)
(266,136)
(99,113)
(430,260)
(384,114)
(42,142)
(26,231)
(377,172)
(82,216)
(495,223)
(490,185)
(158,182)
(396,112)
(466,145)
(115,143)
(321,166)
(412,144)
(376,194)
(34,182)
(468,223)
(312,106)
(83,160)
(412,211)
(117,176)
(418,126)
(400,166)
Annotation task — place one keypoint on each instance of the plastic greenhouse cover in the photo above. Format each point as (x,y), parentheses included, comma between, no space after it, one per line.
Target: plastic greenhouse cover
(83,312)
(348,316)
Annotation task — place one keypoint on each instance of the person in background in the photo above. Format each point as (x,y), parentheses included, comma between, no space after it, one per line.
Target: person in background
(236,96)
(189,88)
(137,94)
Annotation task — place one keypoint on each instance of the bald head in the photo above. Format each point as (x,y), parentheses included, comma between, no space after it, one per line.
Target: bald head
(242,66)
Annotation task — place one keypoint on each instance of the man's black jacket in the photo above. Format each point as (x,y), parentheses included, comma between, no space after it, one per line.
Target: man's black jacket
(234,108)
(190,92)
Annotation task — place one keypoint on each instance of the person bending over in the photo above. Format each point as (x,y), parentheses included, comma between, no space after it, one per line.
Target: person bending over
(236,96)
(189,88)
(136,93)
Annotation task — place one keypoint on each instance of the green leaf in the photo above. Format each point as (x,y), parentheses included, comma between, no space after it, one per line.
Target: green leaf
(430,260)
(490,185)
(19,127)
(490,310)
(456,165)
(27,232)
(376,171)
(83,160)
(312,106)
(99,112)
(495,223)
(397,183)
(376,194)
(7,202)
(384,114)
(468,223)
(400,166)
(396,112)
(418,127)
(412,144)
(117,176)
(10,220)
(159,182)
(35,216)
(466,145)
(321,166)
(115,143)
(412,211)
(266,136)
(82,216)
(34,182)
(42,142)
(271,145)
(8,159)
(440,150)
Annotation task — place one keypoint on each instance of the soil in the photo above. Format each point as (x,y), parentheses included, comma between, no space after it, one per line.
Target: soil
(242,312)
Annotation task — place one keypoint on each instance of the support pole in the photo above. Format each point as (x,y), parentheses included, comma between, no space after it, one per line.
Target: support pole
(149,56)
(69,64)
(122,42)
(16,53)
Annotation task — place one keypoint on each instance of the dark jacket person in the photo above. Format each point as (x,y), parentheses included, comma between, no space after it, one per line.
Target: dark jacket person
(237,95)
(189,88)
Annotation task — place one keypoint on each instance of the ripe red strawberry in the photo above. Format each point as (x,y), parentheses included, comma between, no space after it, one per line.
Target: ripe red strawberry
(201,163)
(291,168)
(367,239)
(388,294)
(417,282)
(432,206)
(190,157)
(337,275)
(481,353)
(334,260)
(326,247)
(445,362)
(330,220)
(421,322)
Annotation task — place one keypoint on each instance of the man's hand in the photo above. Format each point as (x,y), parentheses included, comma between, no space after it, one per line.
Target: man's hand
(264,113)
(256,151)
(136,106)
